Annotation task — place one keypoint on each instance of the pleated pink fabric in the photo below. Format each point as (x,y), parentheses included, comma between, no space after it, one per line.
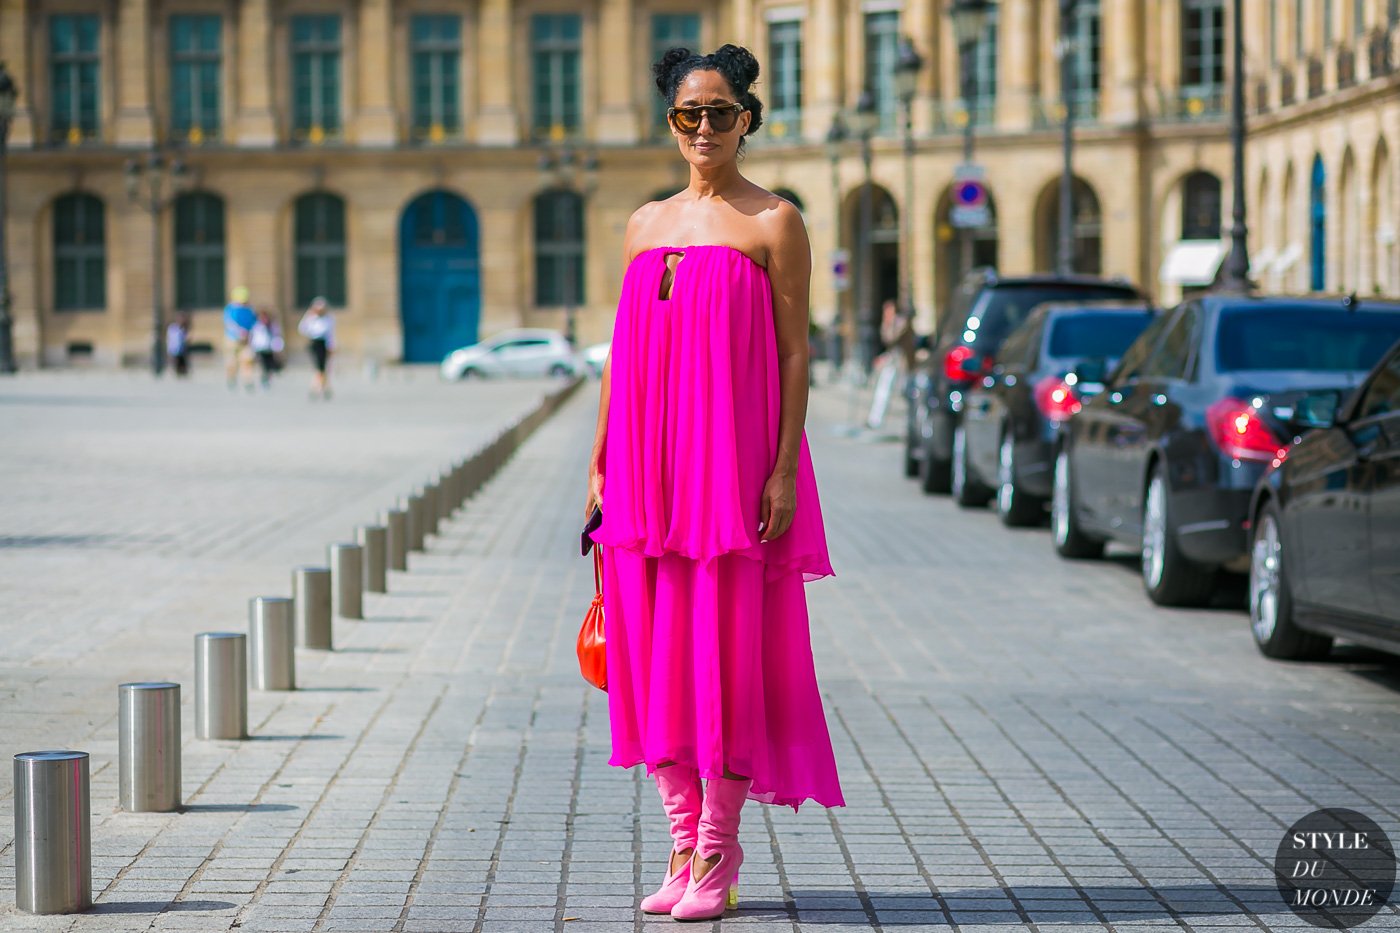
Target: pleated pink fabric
(709,654)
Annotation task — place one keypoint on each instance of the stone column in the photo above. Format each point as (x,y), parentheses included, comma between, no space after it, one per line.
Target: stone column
(822,60)
(376,123)
(617,110)
(1020,48)
(133,124)
(499,122)
(1122,62)
(17,34)
(254,123)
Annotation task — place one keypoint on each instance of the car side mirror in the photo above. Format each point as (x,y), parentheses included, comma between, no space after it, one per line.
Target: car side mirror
(1316,410)
(1091,372)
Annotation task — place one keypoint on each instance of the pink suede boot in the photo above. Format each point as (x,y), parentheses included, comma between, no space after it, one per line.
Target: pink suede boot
(680,797)
(708,897)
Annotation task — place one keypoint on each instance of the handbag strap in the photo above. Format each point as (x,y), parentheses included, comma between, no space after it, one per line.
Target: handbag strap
(598,571)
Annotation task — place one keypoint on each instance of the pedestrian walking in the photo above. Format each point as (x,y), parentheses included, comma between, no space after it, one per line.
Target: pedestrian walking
(177,344)
(318,326)
(239,319)
(711,522)
(265,340)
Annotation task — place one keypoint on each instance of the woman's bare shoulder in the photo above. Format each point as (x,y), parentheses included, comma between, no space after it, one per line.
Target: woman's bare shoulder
(646,225)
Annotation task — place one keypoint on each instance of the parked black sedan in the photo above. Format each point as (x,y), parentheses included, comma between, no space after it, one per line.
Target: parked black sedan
(1005,444)
(986,307)
(1167,456)
(1325,560)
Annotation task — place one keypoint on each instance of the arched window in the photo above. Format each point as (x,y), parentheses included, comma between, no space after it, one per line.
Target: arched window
(787,194)
(320,248)
(1317,220)
(559,248)
(1200,207)
(1086,227)
(199,250)
(79,253)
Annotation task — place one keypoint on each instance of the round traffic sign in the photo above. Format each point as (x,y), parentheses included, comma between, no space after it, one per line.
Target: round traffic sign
(969,193)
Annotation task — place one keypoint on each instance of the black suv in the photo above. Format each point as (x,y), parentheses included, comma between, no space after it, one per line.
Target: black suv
(986,308)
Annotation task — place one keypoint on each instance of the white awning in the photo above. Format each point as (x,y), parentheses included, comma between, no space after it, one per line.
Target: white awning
(1261,262)
(1291,254)
(1192,262)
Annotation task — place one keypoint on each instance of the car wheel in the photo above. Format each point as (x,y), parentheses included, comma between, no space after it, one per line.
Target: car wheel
(559,371)
(1015,508)
(1270,604)
(1070,540)
(1170,578)
(967,492)
(471,372)
(934,474)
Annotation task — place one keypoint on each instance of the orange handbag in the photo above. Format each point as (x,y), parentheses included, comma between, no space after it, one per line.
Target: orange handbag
(592,650)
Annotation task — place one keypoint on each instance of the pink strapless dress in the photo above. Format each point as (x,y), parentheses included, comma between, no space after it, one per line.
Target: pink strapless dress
(708,650)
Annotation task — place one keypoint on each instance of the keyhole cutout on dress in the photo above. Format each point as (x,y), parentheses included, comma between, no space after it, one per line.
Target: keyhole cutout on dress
(668,277)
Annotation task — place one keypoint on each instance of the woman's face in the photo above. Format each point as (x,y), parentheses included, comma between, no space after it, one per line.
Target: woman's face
(707,147)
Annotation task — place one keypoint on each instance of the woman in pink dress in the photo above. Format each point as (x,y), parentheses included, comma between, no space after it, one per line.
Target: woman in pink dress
(711,522)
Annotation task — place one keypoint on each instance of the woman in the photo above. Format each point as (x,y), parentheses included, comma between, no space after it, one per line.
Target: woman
(265,340)
(711,522)
(318,325)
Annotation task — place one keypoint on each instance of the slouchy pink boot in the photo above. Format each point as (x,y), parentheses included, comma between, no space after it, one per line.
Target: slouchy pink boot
(707,898)
(680,797)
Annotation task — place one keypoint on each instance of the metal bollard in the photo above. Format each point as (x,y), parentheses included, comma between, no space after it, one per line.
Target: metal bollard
(374,545)
(221,685)
(432,513)
(396,539)
(311,599)
(416,532)
(148,740)
(347,574)
(272,643)
(53,832)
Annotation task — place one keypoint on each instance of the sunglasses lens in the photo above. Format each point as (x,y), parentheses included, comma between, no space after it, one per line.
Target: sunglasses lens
(687,119)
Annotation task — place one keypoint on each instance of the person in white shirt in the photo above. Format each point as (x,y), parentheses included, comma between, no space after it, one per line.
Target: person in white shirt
(319,326)
(265,340)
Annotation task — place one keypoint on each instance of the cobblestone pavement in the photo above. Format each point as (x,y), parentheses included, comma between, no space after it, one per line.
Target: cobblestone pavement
(1024,744)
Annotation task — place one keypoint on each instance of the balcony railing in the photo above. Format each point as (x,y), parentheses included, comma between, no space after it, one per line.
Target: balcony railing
(1346,67)
(1314,78)
(1049,111)
(951,116)
(1382,61)
(1195,104)
(1288,87)
(1261,96)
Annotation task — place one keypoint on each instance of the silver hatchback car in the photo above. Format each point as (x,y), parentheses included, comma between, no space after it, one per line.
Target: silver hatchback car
(518,352)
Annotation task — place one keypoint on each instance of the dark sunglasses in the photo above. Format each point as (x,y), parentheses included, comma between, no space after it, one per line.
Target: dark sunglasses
(687,119)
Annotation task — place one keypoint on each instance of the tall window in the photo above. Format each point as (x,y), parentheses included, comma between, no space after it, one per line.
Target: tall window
(320,248)
(1358,19)
(74,62)
(79,253)
(315,77)
(199,250)
(881,53)
(1088,55)
(1329,31)
(195,60)
(785,77)
(984,72)
(556,46)
(1200,207)
(436,53)
(1203,47)
(669,31)
(559,248)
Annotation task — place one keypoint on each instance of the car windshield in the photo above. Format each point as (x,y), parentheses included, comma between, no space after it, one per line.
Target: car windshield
(1317,339)
(1095,334)
(1003,308)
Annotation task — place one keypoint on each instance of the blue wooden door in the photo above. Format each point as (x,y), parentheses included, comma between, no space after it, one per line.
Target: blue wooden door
(440,284)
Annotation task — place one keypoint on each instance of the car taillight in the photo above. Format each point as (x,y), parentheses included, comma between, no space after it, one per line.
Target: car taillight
(1238,430)
(955,364)
(1056,399)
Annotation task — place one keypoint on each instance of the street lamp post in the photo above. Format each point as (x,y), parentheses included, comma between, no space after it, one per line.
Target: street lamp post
(969,23)
(835,143)
(560,170)
(1064,229)
(906,79)
(9,98)
(864,120)
(147,180)
(1236,277)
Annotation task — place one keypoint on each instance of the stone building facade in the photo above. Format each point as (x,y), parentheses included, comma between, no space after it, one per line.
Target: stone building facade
(444,169)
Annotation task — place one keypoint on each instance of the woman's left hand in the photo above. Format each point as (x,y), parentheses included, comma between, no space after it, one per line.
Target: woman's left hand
(779,504)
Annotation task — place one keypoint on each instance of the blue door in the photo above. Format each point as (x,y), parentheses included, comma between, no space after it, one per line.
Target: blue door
(1317,274)
(440,285)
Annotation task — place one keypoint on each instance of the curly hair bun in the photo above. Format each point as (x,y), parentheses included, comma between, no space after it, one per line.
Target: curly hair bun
(665,69)
(736,62)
